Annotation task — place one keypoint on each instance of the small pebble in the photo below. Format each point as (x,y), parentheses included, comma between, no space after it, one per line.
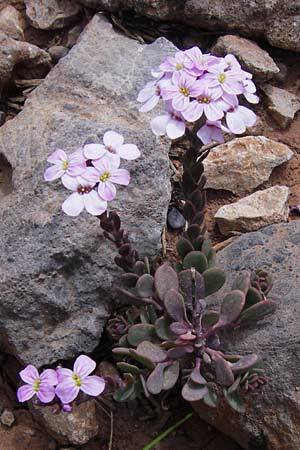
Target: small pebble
(175,219)
(7,418)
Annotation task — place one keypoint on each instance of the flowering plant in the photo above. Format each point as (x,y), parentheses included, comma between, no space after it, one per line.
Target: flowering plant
(201,89)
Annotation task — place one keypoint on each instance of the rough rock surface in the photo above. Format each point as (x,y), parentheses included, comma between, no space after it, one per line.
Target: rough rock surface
(244,163)
(254,211)
(250,55)
(271,421)
(275,20)
(56,272)
(282,105)
(12,22)
(77,427)
(51,14)
(16,53)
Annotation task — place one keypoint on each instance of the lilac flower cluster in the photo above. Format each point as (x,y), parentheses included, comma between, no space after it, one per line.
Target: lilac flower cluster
(91,173)
(197,86)
(61,385)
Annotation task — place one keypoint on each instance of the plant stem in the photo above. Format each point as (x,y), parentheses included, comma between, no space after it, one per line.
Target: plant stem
(169,430)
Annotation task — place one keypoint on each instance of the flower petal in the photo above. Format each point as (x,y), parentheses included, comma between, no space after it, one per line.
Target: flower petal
(67,391)
(107,191)
(91,174)
(120,176)
(129,152)
(57,157)
(73,205)
(150,104)
(93,385)
(175,128)
(25,393)
(112,139)
(70,182)
(49,376)
(83,366)
(94,204)
(235,122)
(94,151)
(30,374)
(53,173)
(159,124)
(46,394)
(63,373)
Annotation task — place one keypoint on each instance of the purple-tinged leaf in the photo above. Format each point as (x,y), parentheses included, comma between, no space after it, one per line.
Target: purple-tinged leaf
(174,304)
(235,401)
(179,328)
(253,296)
(213,342)
(179,352)
(151,351)
(162,327)
(235,385)
(122,351)
(190,286)
(128,368)
(171,374)
(144,386)
(165,278)
(196,376)
(141,332)
(156,379)
(145,285)
(259,311)
(193,392)
(242,282)
(209,319)
(193,232)
(129,279)
(189,336)
(224,374)
(211,399)
(141,359)
(189,211)
(245,363)
(232,307)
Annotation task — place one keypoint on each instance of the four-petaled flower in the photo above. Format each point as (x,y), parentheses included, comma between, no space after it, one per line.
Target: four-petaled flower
(40,385)
(73,165)
(79,379)
(180,91)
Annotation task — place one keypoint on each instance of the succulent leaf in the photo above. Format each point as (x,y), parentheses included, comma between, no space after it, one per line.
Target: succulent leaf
(242,282)
(141,359)
(145,286)
(214,279)
(245,363)
(193,232)
(174,304)
(259,311)
(253,296)
(197,260)
(211,399)
(165,278)
(190,285)
(156,379)
(151,351)
(232,306)
(171,374)
(193,392)
(183,247)
(139,268)
(129,279)
(235,401)
(124,393)
(162,327)
(129,368)
(141,332)
(209,319)
(224,374)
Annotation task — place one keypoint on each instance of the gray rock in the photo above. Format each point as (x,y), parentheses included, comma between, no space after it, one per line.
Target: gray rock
(51,14)
(15,53)
(244,163)
(250,55)
(254,211)
(271,421)
(282,105)
(77,427)
(56,272)
(7,418)
(12,22)
(57,52)
(275,20)
(175,219)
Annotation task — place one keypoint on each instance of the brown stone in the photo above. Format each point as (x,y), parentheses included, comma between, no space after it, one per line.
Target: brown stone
(12,22)
(282,105)
(52,14)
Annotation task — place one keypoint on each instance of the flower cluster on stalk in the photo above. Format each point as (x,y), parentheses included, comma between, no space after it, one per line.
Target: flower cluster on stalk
(61,386)
(196,86)
(91,173)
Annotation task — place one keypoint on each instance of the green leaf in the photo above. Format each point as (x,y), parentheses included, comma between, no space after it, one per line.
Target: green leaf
(129,279)
(253,296)
(183,247)
(124,393)
(211,399)
(162,327)
(145,286)
(235,401)
(214,279)
(128,368)
(259,311)
(242,282)
(209,319)
(141,359)
(197,260)
(141,332)
(231,307)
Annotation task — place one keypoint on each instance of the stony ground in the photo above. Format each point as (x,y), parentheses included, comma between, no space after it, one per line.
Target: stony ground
(276,121)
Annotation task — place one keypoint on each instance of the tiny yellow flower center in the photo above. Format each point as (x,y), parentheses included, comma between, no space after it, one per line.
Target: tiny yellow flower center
(84,189)
(179,66)
(184,91)
(36,385)
(222,77)
(77,380)
(104,177)
(204,99)
(65,164)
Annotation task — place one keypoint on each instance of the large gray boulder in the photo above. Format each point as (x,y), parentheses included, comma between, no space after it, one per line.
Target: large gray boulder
(56,272)
(271,421)
(276,20)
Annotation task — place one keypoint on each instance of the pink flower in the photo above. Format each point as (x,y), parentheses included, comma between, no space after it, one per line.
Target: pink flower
(179,63)
(105,173)
(208,102)
(238,118)
(72,165)
(79,379)
(84,197)
(223,80)
(113,146)
(249,91)
(212,131)
(232,63)
(151,94)
(171,123)
(40,385)
(201,62)
(183,87)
